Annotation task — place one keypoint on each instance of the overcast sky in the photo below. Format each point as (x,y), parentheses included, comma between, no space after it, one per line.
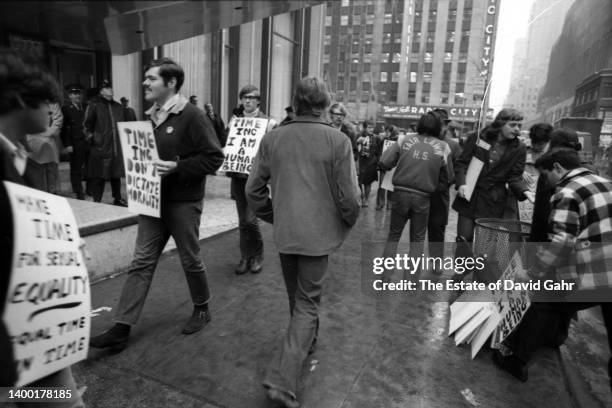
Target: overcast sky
(512,24)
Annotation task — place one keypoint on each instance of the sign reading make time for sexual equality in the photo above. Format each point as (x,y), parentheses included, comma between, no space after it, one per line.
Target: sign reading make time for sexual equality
(142,182)
(48,306)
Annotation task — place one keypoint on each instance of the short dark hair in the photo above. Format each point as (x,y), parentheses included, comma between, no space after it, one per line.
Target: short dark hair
(169,69)
(540,133)
(565,138)
(568,158)
(24,82)
(506,115)
(338,106)
(429,124)
(247,89)
(311,97)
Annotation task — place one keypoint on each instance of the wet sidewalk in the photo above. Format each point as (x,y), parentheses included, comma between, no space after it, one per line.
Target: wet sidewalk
(373,352)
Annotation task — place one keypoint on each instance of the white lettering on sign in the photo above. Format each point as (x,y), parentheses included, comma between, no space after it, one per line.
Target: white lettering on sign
(489,32)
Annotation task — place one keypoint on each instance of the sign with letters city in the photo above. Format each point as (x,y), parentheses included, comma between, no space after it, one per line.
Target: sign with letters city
(242,144)
(416,111)
(48,306)
(142,182)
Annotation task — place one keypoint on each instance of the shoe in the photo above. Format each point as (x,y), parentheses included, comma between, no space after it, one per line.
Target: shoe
(197,321)
(243,267)
(255,264)
(283,398)
(116,338)
(120,202)
(511,364)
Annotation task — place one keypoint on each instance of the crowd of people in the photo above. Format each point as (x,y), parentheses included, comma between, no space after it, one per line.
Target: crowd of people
(313,166)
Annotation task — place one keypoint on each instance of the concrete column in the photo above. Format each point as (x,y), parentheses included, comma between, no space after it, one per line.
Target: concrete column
(250,54)
(127,79)
(282,65)
(317,33)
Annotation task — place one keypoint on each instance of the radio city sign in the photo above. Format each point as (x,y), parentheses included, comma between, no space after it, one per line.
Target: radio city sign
(416,111)
(489,37)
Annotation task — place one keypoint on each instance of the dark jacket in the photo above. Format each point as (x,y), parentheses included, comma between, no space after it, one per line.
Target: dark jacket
(350,133)
(187,136)
(420,164)
(490,194)
(105,157)
(219,127)
(73,132)
(368,158)
(8,172)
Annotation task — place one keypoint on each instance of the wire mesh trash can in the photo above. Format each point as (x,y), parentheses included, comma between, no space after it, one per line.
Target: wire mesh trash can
(497,240)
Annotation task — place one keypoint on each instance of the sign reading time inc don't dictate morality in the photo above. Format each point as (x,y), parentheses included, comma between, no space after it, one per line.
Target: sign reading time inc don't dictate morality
(48,306)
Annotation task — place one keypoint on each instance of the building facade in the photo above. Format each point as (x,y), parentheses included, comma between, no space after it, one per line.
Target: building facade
(394,59)
(530,64)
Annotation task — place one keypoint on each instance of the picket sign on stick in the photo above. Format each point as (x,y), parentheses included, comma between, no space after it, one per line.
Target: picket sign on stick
(142,182)
(242,144)
(48,306)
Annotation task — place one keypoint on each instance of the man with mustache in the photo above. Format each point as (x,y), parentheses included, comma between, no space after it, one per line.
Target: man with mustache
(188,150)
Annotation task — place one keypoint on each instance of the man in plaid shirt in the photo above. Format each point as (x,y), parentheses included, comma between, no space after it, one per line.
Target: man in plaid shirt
(580,251)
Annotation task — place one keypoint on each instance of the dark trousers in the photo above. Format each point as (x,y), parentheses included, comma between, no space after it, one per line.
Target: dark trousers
(251,242)
(436,224)
(78,158)
(546,324)
(181,220)
(304,276)
(407,206)
(96,187)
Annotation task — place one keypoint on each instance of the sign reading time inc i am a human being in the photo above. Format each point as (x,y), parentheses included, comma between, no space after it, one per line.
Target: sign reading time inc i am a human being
(142,182)
(48,305)
(242,144)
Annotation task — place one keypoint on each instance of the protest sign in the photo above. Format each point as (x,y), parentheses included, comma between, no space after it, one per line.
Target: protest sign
(386,183)
(47,310)
(142,182)
(475,167)
(242,144)
(512,304)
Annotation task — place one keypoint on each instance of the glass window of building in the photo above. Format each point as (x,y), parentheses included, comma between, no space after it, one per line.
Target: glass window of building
(426,76)
(445,88)
(388,18)
(369,29)
(395,77)
(416,47)
(383,77)
(343,20)
(367,57)
(460,87)
(370,9)
(365,97)
(428,57)
(354,67)
(366,67)
(444,99)
(448,56)
(328,21)
(424,98)
(397,57)
(413,77)
(345,3)
(340,85)
(427,67)
(365,86)
(353,83)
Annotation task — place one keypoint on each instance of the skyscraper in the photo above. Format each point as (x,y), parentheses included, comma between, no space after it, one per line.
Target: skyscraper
(396,59)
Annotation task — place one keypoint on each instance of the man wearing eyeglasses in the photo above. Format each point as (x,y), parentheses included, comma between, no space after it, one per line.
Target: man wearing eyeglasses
(337,113)
(251,242)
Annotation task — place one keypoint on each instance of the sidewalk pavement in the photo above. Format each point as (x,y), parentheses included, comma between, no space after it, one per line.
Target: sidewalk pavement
(373,352)
(389,352)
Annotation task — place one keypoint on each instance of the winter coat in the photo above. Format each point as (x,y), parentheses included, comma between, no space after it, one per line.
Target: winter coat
(105,157)
(490,194)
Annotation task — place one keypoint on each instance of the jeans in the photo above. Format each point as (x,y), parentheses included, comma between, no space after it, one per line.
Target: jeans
(436,225)
(181,220)
(96,188)
(251,242)
(408,206)
(304,276)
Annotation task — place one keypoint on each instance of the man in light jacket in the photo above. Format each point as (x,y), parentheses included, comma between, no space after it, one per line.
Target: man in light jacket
(310,168)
